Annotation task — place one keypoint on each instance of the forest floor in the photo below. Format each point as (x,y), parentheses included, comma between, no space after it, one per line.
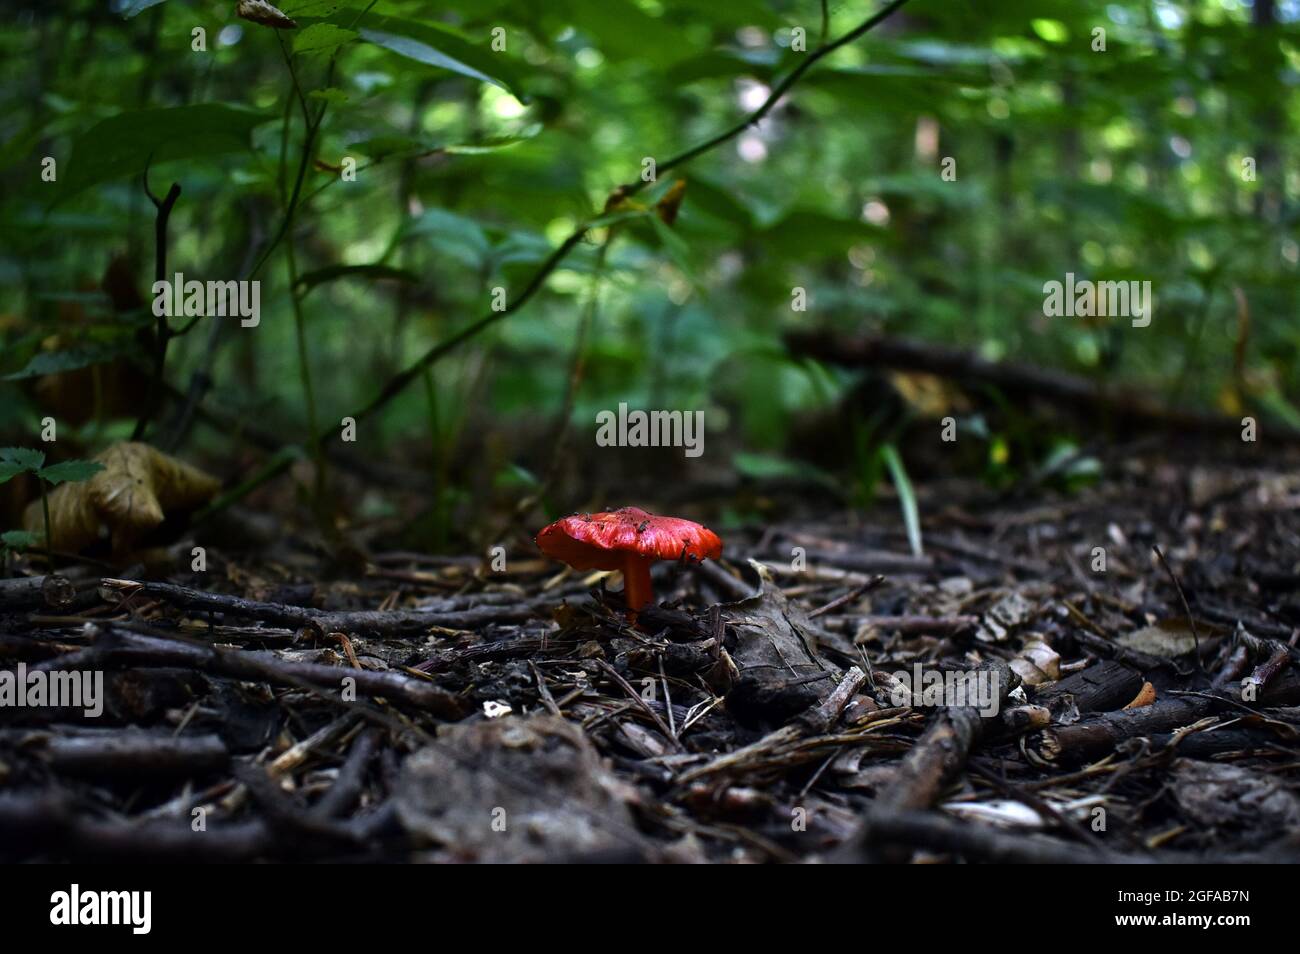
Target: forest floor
(1130,651)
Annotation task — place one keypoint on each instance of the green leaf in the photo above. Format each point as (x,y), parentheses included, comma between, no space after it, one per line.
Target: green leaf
(906,497)
(514,477)
(70,471)
(622,30)
(776,467)
(434,45)
(386,147)
(18,539)
(312,8)
(806,234)
(22,457)
(676,246)
(620,215)
(1053,31)
(135,7)
(329,273)
(456,236)
(716,201)
(57,362)
(322,38)
(125,144)
(9,470)
(330,94)
(1281,408)
(495,143)
(422,52)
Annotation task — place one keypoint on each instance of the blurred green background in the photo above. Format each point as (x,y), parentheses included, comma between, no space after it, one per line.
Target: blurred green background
(473,163)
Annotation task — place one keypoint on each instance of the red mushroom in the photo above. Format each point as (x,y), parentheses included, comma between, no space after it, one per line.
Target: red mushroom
(629,540)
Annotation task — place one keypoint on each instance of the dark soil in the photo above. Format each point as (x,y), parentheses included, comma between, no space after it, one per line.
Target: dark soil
(420,708)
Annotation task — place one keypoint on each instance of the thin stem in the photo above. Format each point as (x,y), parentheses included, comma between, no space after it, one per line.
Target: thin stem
(162,331)
(563,430)
(439,468)
(304,370)
(399,383)
(779,90)
(637,586)
(313,126)
(45,512)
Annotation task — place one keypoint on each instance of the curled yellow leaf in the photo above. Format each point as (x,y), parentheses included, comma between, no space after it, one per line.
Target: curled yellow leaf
(132,495)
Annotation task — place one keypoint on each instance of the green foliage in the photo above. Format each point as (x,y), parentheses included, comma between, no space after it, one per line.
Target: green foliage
(19,460)
(18,539)
(69,359)
(70,471)
(126,144)
(906,496)
(22,460)
(472,165)
(322,38)
(431,44)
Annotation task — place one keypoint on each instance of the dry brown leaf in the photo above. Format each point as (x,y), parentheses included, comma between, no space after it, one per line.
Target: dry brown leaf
(929,395)
(129,497)
(259,11)
(668,206)
(1146,695)
(1038,663)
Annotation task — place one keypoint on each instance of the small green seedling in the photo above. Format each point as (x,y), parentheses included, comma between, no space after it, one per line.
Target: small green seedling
(22,460)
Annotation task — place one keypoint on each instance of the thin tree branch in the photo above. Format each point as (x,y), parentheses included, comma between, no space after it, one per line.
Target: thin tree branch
(162,331)
(779,90)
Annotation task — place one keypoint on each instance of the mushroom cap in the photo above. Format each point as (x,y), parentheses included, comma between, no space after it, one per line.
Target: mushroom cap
(602,541)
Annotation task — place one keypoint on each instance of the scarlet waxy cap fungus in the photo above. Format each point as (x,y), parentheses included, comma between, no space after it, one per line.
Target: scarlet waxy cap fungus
(629,540)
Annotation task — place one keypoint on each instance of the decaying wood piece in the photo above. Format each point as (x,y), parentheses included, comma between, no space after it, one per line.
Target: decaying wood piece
(1050,384)
(122,753)
(141,650)
(371,622)
(949,836)
(1103,686)
(907,625)
(1101,733)
(23,593)
(905,830)
(48,823)
(825,714)
(940,754)
(350,781)
(777,745)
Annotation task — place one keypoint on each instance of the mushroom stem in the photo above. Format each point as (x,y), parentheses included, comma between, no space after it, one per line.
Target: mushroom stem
(637,588)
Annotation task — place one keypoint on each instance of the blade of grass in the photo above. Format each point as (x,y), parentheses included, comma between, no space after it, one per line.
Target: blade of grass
(906,496)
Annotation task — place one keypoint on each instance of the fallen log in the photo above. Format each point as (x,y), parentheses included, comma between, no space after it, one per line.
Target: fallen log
(1122,405)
